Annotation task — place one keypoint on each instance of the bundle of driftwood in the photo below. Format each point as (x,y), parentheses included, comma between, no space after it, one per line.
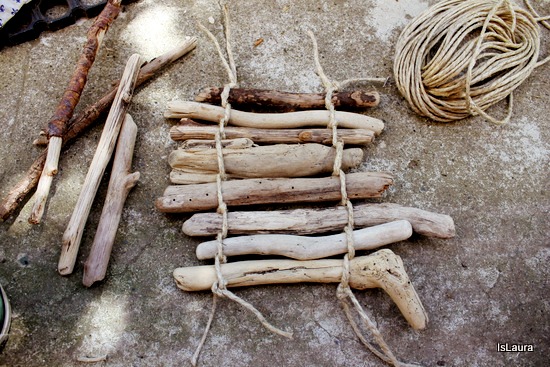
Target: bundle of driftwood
(282,158)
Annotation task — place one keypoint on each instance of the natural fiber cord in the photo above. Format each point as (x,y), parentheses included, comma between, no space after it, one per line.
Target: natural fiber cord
(461,57)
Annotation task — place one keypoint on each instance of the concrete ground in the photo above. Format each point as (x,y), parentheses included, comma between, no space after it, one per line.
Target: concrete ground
(488,285)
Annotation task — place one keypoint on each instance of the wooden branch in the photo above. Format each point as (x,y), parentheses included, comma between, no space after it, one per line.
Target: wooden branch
(281,160)
(120,184)
(286,101)
(289,120)
(105,147)
(383,269)
(310,221)
(81,122)
(197,144)
(189,129)
(46,179)
(189,198)
(71,97)
(307,248)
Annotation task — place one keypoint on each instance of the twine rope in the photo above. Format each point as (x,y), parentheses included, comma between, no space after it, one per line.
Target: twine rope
(219,288)
(344,291)
(459,58)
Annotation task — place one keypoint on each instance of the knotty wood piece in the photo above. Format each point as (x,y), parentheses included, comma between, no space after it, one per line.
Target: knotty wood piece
(383,269)
(286,101)
(69,100)
(289,120)
(190,198)
(307,248)
(311,221)
(281,160)
(188,129)
(78,124)
(105,147)
(120,184)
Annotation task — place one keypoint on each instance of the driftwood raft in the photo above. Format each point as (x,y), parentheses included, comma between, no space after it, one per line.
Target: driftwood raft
(283,158)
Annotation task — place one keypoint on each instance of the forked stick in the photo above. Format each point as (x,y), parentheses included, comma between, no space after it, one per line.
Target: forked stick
(120,184)
(383,269)
(307,248)
(202,111)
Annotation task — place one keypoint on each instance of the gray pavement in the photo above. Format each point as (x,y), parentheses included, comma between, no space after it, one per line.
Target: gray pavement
(488,285)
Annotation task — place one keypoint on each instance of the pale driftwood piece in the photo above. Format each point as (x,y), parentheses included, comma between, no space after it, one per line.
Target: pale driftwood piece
(281,160)
(65,109)
(189,129)
(286,101)
(120,184)
(79,124)
(307,248)
(46,179)
(105,147)
(189,198)
(289,120)
(311,221)
(383,269)
(197,144)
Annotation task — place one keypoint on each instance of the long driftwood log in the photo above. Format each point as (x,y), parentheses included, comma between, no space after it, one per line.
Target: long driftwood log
(190,198)
(307,248)
(69,100)
(188,129)
(79,123)
(75,228)
(120,184)
(280,160)
(311,221)
(289,120)
(244,98)
(383,269)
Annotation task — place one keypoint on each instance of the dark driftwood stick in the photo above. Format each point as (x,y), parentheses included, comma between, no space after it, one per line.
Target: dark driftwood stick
(286,101)
(81,122)
(310,221)
(189,129)
(189,198)
(65,108)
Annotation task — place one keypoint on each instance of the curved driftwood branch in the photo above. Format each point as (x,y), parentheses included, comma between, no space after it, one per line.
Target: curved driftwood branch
(310,221)
(383,269)
(202,111)
(307,248)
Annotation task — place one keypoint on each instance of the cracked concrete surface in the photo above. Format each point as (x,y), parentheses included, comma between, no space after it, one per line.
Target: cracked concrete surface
(488,285)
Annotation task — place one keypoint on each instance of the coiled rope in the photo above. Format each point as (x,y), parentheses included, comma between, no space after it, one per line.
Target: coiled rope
(459,57)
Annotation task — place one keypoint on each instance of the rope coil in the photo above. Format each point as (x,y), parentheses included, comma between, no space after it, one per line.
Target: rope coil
(459,58)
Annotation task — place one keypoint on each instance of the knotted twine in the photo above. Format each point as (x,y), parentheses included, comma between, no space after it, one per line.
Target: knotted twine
(344,292)
(459,57)
(219,288)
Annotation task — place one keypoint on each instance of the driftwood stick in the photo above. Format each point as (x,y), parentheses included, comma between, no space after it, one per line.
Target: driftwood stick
(120,184)
(271,99)
(198,144)
(105,147)
(81,122)
(281,160)
(383,269)
(71,97)
(307,248)
(311,221)
(189,198)
(289,120)
(189,129)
